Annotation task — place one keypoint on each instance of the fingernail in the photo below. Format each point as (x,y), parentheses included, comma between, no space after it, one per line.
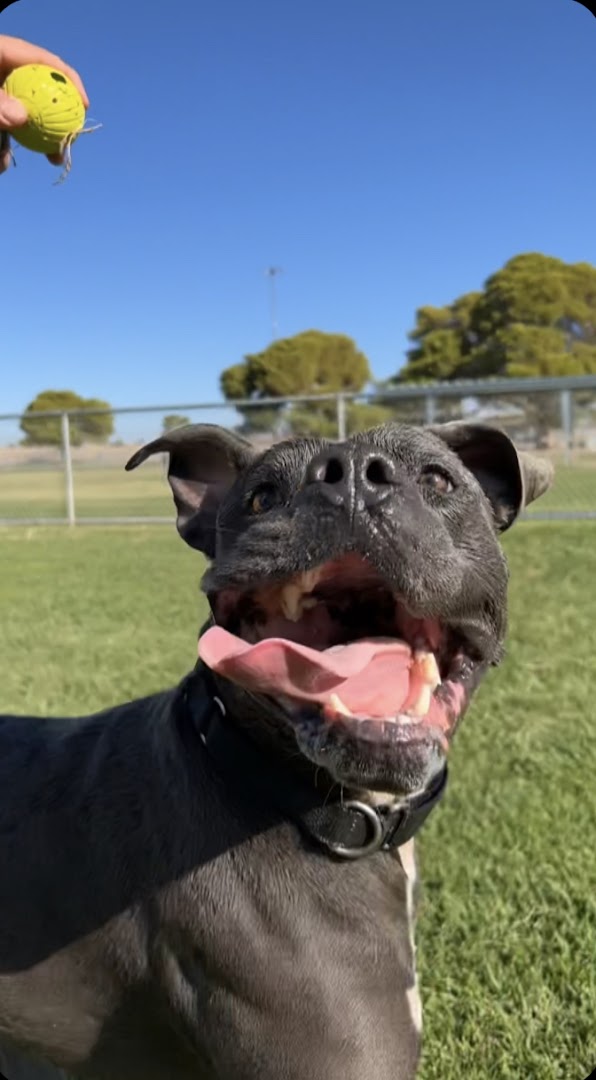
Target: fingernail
(12,113)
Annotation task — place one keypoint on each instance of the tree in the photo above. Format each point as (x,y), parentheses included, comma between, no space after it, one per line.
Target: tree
(173,421)
(534,317)
(42,430)
(323,421)
(312,362)
(95,427)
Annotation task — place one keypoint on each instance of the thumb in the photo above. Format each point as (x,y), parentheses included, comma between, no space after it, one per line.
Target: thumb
(12,113)
(5,153)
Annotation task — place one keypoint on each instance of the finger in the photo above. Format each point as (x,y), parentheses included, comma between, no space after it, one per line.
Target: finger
(5,154)
(12,113)
(14,52)
(56,159)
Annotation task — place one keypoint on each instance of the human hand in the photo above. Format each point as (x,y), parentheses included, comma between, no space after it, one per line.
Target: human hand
(15,53)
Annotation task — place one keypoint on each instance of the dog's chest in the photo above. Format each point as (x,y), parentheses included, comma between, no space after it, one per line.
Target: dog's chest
(292,968)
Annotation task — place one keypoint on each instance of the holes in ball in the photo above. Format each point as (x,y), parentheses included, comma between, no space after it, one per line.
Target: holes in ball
(58,77)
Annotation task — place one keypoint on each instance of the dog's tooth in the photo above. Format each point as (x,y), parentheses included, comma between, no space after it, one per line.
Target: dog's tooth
(291,602)
(336,705)
(421,706)
(428,669)
(425,667)
(292,597)
(309,579)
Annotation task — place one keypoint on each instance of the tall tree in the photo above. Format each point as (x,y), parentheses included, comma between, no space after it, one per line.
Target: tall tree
(534,317)
(40,430)
(173,420)
(312,362)
(95,426)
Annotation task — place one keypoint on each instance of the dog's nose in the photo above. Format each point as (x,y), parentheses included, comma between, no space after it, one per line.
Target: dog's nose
(344,475)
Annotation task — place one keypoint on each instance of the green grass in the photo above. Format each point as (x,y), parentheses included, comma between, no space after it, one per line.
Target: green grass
(106,492)
(111,492)
(507,934)
(574,489)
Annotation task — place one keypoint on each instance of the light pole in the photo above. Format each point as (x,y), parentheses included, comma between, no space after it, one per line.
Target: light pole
(272,272)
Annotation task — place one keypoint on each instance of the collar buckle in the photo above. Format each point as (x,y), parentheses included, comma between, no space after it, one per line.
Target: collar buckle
(374,828)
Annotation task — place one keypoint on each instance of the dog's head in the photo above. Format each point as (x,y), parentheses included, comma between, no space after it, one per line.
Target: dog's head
(358,589)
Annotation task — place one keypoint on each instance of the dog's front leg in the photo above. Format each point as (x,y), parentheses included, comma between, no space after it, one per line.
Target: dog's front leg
(407,855)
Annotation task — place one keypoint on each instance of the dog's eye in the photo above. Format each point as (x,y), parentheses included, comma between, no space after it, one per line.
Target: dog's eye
(437,481)
(262,500)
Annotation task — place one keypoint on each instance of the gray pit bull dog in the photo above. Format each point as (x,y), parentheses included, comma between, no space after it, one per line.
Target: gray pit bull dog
(215,883)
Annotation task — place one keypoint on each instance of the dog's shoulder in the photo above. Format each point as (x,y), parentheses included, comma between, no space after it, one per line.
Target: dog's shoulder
(51,764)
(92,811)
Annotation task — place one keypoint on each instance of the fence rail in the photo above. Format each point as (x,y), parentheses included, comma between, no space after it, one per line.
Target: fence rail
(61,474)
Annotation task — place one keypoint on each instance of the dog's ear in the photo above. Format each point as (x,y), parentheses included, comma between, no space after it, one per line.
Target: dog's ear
(510,479)
(205,460)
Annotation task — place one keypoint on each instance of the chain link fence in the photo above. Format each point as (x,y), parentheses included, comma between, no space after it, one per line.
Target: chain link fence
(53,471)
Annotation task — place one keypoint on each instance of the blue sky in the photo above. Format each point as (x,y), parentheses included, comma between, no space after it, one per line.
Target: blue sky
(385,154)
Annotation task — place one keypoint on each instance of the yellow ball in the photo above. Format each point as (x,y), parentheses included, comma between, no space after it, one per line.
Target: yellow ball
(54,106)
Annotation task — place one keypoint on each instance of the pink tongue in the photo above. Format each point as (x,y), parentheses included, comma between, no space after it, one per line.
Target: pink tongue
(372,677)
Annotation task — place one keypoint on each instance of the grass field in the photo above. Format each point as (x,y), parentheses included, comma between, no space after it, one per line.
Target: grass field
(107,492)
(507,935)
(111,492)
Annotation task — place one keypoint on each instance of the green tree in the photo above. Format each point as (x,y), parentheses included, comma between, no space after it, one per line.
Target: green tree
(363,415)
(323,421)
(94,427)
(534,317)
(312,362)
(42,430)
(173,421)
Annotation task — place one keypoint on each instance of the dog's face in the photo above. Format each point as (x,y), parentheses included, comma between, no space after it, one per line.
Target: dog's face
(358,589)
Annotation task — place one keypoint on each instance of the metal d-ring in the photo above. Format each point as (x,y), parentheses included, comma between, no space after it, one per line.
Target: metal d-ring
(372,845)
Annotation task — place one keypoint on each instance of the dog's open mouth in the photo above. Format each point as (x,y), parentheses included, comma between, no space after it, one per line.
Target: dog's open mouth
(338,642)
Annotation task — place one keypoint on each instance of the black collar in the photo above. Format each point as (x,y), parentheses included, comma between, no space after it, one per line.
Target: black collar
(346,828)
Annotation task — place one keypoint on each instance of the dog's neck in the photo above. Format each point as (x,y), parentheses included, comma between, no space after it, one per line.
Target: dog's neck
(344,825)
(276,741)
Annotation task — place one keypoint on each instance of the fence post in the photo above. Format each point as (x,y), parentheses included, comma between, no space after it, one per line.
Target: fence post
(430,408)
(567,422)
(341,417)
(68,479)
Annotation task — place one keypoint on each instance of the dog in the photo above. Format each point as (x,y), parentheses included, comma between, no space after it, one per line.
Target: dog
(218,882)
